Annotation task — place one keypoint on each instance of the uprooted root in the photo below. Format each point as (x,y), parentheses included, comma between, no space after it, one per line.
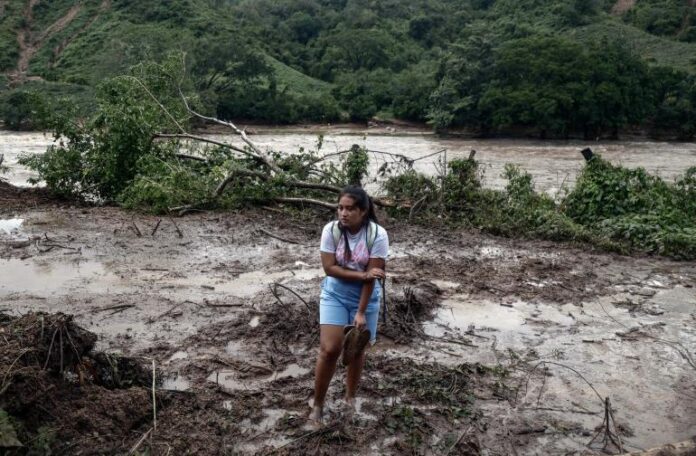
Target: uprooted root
(54,388)
(408,308)
(52,341)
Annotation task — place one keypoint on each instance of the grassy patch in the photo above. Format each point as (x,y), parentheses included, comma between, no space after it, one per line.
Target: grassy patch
(296,81)
(656,50)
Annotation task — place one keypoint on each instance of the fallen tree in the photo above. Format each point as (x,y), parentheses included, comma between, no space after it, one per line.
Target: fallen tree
(140,150)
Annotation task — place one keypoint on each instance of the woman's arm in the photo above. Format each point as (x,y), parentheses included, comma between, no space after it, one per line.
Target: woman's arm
(366,292)
(332,269)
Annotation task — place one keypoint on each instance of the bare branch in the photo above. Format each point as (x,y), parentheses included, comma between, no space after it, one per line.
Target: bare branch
(260,153)
(323,204)
(204,139)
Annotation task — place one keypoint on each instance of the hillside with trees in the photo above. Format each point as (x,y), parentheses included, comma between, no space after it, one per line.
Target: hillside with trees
(555,68)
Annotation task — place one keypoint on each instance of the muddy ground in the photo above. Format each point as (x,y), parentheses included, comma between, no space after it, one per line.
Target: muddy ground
(491,346)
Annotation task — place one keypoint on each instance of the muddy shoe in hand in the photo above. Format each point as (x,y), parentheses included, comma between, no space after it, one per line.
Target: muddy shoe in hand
(354,343)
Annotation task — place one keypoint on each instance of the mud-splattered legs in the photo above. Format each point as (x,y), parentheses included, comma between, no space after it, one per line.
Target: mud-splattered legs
(330,345)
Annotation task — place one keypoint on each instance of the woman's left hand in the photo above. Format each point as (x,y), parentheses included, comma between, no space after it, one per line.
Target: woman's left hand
(360,322)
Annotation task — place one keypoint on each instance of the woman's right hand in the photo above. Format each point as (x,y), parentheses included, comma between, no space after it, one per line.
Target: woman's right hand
(375,273)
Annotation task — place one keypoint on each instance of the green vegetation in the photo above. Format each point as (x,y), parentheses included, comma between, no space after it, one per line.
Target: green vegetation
(610,206)
(555,68)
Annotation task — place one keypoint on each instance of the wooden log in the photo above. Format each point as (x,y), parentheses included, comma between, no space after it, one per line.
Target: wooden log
(685,448)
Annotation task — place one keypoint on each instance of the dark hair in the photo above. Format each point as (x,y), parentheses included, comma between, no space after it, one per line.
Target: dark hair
(364,202)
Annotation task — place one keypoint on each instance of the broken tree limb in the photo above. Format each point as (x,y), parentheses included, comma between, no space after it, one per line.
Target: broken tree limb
(315,202)
(201,139)
(260,153)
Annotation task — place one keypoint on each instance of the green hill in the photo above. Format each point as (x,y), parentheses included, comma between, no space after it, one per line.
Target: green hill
(291,60)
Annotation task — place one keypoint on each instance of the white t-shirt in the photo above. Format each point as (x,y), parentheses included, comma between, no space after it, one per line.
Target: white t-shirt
(358,247)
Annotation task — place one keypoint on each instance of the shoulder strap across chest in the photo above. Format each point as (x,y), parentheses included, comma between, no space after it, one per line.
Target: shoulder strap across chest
(371,234)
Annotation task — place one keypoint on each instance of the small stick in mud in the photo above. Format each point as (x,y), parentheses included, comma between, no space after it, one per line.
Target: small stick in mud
(116,308)
(154,398)
(154,230)
(269,234)
(171,309)
(77,249)
(610,436)
(178,231)
(274,290)
(139,442)
(322,430)
(135,227)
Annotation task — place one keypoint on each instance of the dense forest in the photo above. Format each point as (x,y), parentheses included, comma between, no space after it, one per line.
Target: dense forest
(553,68)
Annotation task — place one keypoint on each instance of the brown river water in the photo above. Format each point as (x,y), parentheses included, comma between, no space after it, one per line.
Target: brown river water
(553,164)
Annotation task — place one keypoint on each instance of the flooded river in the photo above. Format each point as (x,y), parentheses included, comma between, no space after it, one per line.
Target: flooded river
(552,163)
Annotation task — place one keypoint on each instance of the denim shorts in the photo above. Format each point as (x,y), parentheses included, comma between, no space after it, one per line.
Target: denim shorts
(339,300)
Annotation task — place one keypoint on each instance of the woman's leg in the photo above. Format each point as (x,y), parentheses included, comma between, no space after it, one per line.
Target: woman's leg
(353,378)
(330,345)
(355,368)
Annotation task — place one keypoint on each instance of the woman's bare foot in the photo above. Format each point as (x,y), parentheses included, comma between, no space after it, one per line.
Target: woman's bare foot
(350,403)
(317,415)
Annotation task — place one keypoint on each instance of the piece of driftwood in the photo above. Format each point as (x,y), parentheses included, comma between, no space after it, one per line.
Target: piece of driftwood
(685,448)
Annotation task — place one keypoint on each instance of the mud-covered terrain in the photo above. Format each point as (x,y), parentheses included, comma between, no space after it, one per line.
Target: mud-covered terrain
(491,346)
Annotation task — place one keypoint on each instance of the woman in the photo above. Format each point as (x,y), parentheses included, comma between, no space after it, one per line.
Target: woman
(353,253)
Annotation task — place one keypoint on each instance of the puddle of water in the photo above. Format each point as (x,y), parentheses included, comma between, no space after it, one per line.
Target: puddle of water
(445,284)
(55,278)
(293,370)
(248,284)
(229,380)
(235,347)
(178,383)
(8,226)
(461,312)
(22,276)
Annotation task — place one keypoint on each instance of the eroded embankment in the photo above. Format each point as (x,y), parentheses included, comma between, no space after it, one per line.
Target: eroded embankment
(471,320)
